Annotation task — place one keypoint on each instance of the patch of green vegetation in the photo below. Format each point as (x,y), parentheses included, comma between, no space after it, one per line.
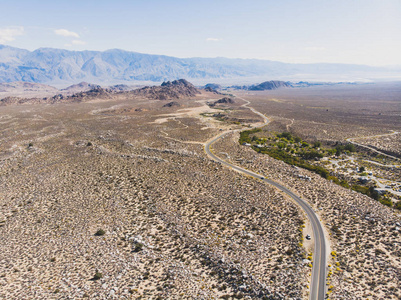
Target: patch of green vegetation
(282,148)
(244,135)
(386,201)
(293,160)
(97,276)
(372,193)
(340,149)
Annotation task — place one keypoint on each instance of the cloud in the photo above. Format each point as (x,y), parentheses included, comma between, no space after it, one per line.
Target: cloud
(67,33)
(8,34)
(78,42)
(213,39)
(315,48)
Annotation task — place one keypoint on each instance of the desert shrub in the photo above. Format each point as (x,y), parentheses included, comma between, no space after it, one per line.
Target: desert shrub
(285,135)
(317,144)
(281,145)
(344,183)
(97,276)
(350,147)
(100,232)
(138,247)
(311,154)
(334,179)
(361,189)
(386,201)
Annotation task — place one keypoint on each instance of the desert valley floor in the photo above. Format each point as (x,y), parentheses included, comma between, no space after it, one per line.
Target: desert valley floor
(115,197)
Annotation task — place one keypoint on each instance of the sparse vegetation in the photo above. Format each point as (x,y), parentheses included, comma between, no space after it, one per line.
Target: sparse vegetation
(100,232)
(178,225)
(98,276)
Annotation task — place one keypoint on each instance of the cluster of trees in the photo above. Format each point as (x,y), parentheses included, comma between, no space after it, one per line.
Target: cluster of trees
(370,191)
(244,135)
(283,151)
(281,154)
(343,148)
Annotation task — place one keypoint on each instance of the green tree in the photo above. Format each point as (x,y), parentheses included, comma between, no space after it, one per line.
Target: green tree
(350,147)
(317,144)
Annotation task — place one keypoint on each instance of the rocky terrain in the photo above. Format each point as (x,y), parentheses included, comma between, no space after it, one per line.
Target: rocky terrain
(224,100)
(168,90)
(269,85)
(98,200)
(213,86)
(79,87)
(114,198)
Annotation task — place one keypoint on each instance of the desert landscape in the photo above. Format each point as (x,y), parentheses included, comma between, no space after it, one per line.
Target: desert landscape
(110,194)
(200,150)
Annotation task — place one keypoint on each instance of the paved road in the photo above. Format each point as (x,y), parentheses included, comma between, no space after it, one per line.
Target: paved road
(318,284)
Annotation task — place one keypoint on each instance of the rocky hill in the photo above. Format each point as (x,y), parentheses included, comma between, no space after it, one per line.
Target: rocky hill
(168,90)
(269,85)
(224,100)
(47,65)
(120,88)
(176,89)
(80,87)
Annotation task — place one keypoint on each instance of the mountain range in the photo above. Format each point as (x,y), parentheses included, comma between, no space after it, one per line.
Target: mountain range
(48,65)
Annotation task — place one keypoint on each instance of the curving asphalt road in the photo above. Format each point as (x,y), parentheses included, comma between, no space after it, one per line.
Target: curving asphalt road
(318,284)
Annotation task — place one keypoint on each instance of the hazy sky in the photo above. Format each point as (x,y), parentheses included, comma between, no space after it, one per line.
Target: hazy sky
(341,31)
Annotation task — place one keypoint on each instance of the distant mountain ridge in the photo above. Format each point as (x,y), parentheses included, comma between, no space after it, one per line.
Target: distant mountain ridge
(47,65)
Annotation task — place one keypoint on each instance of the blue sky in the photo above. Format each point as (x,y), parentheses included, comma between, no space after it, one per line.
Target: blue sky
(305,31)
